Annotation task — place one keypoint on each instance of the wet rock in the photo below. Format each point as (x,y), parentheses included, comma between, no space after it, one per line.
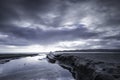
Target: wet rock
(104,77)
(86,69)
(51,58)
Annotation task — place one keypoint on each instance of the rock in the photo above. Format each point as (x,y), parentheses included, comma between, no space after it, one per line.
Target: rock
(86,69)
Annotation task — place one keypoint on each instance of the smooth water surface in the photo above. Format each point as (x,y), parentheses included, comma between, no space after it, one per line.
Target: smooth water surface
(33,68)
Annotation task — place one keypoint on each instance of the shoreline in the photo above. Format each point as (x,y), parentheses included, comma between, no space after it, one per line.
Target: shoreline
(7,57)
(87,69)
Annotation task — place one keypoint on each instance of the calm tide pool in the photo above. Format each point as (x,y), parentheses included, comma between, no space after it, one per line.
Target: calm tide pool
(33,68)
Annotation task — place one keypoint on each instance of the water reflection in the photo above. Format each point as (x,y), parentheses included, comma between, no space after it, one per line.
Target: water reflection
(4,61)
(33,68)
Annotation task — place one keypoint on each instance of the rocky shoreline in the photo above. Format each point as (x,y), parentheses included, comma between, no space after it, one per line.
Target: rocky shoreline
(86,69)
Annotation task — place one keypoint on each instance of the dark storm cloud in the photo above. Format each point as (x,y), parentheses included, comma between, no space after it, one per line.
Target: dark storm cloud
(34,10)
(20,34)
(111,8)
(116,37)
(39,12)
(6,12)
(10,9)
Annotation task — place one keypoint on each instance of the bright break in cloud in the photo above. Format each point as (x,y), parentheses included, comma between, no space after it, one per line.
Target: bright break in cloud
(49,25)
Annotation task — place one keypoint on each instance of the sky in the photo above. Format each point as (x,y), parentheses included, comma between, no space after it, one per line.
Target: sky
(50,25)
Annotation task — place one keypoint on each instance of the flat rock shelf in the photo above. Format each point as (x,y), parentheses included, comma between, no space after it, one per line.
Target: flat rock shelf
(91,66)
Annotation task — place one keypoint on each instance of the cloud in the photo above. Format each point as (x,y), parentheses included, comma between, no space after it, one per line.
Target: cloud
(20,35)
(46,22)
